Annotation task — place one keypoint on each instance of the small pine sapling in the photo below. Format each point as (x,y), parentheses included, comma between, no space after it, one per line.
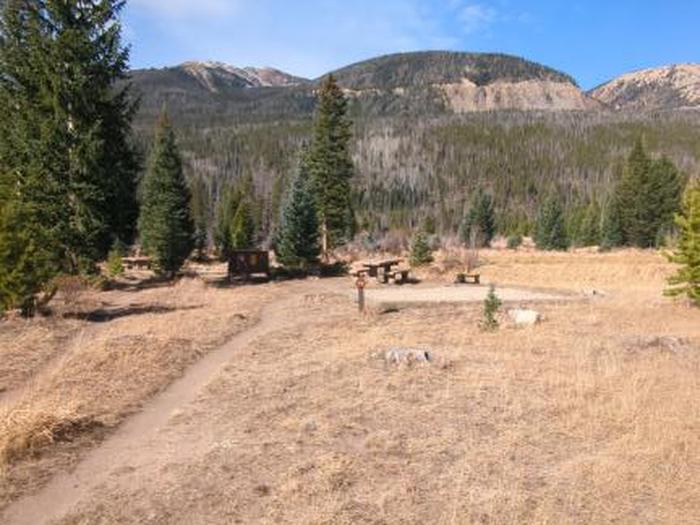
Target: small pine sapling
(492,305)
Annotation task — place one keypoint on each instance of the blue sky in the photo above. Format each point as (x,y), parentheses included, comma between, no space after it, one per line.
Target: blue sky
(592,40)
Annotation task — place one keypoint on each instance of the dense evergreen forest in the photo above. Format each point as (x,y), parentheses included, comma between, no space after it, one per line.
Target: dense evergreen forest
(409,169)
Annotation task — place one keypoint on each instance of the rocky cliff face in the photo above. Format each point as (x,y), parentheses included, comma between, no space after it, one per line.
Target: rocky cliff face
(669,87)
(544,95)
(466,82)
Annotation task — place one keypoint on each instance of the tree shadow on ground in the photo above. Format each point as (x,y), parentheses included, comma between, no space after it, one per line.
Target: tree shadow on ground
(107,314)
(224,282)
(136,284)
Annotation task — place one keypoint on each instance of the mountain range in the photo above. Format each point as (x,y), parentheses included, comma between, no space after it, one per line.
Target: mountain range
(421,83)
(429,128)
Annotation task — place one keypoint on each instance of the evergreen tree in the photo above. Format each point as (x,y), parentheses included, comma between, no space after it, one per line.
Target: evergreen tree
(687,280)
(648,196)
(165,222)
(480,223)
(297,241)
(550,230)
(70,121)
(665,196)
(331,167)
(611,234)
(589,231)
(243,227)
(27,260)
(421,253)
(200,216)
(492,304)
(632,194)
(64,138)
(225,213)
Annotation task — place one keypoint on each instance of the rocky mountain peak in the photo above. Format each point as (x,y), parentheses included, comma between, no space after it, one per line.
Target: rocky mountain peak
(669,87)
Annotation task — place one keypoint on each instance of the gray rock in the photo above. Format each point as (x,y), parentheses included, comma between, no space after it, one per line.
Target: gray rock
(407,355)
(523,317)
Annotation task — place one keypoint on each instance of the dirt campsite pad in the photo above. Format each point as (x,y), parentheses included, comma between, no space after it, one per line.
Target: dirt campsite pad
(402,296)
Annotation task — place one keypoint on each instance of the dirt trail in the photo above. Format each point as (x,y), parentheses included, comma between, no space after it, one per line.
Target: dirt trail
(134,444)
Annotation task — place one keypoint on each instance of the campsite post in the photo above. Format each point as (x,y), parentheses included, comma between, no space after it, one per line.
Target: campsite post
(360,283)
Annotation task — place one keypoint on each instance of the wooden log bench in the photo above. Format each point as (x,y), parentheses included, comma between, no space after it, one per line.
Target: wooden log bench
(138,263)
(471,277)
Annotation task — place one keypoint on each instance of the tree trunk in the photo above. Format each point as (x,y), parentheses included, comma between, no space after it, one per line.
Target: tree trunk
(324,242)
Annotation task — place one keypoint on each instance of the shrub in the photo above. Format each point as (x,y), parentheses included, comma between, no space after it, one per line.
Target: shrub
(393,242)
(515,242)
(115,266)
(336,269)
(70,288)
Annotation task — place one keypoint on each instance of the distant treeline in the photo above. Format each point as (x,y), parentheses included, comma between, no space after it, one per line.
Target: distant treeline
(409,170)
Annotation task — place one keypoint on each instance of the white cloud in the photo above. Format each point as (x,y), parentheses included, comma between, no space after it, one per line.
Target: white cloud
(306,37)
(476,17)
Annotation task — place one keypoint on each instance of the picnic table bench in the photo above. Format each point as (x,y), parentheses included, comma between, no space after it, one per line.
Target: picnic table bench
(383,272)
(400,276)
(141,263)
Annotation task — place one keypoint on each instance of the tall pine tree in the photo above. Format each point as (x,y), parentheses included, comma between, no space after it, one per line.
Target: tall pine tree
(165,222)
(331,167)
(632,194)
(648,196)
(64,139)
(687,280)
(665,198)
(297,239)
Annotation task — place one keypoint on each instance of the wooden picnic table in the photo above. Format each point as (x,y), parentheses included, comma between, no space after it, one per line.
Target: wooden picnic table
(373,268)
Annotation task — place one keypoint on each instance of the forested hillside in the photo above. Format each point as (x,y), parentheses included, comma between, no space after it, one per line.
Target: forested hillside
(416,156)
(407,170)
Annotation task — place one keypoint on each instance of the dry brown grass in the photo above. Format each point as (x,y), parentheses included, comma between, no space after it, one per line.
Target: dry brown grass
(66,380)
(591,417)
